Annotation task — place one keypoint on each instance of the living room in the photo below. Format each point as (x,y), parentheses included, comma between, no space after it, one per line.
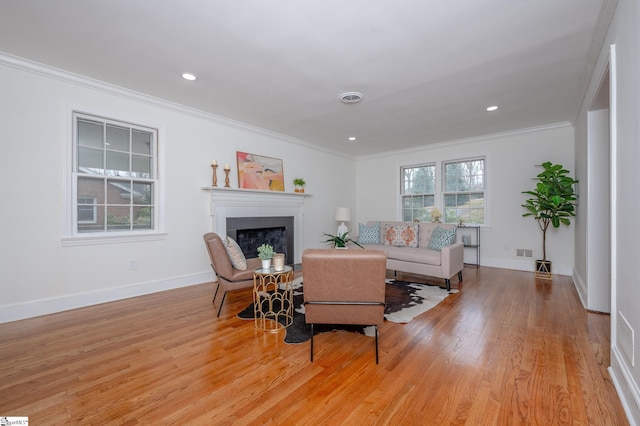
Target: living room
(45,269)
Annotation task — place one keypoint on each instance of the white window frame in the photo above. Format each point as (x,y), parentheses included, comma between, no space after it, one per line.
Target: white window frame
(71,236)
(425,213)
(484,190)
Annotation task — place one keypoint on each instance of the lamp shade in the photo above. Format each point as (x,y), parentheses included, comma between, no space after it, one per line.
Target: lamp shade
(343,214)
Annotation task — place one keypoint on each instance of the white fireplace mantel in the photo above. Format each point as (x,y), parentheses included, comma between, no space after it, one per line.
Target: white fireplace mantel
(233,202)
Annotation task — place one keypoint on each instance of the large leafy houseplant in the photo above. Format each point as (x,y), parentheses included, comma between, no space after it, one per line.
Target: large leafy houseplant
(553,200)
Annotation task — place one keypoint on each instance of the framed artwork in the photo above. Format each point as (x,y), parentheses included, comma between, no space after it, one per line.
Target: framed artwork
(259,172)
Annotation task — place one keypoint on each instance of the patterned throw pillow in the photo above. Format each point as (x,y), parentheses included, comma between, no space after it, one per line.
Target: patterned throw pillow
(401,235)
(369,234)
(441,237)
(235,254)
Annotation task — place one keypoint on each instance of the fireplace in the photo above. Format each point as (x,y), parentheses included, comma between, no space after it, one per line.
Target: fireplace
(234,203)
(251,232)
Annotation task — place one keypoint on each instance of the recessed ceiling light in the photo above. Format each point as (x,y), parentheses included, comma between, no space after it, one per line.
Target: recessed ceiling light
(492,108)
(188,76)
(352,138)
(350,97)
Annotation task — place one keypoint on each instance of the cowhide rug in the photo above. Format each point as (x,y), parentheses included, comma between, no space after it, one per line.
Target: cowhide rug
(404,301)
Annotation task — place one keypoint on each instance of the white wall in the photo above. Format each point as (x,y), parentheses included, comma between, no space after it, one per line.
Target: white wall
(39,275)
(624,33)
(510,167)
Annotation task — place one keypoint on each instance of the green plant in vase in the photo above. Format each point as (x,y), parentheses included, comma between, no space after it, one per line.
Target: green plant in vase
(340,240)
(299,184)
(553,203)
(265,253)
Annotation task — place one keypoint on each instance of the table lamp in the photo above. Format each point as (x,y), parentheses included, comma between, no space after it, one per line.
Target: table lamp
(343,214)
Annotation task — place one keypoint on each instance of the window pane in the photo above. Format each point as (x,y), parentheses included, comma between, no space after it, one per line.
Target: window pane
(90,134)
(118,138)
(141,142)
(96,225)
(117,164)
(141,166)
(90,160)
(477,199)
(143,217)
(118,218)
(142,193)
(118,192)
(92,189)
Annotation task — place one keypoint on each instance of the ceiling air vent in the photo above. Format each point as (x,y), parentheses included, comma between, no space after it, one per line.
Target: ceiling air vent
(350,97)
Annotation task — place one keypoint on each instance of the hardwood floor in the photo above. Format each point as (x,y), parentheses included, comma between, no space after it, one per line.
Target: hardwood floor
(506,350)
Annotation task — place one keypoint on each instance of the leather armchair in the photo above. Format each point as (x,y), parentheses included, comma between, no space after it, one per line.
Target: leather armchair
(230,278)
(344,287)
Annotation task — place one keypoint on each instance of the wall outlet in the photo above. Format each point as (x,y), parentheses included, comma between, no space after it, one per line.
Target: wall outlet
(133,264)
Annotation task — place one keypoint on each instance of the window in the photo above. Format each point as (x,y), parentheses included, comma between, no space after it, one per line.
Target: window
(115,183)
(418,192)
(464,191)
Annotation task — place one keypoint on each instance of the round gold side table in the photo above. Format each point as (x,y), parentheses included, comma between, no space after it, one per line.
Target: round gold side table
(273,298)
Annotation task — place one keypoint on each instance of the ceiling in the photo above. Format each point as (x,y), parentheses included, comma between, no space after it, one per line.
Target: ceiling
(427,70)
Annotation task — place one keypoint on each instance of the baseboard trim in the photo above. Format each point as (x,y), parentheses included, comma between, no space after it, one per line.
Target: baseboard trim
(39,307)
(581,288)
(525,265)
(626,387)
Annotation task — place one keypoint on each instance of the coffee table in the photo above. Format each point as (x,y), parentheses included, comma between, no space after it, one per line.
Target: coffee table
(273,298)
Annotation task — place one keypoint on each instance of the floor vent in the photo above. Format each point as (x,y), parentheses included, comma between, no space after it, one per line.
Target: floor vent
(524,253)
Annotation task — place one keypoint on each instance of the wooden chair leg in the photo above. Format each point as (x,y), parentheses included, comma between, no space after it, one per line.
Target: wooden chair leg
(311,342)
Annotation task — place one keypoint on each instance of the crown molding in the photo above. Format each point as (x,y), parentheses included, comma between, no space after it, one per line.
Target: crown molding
(94,84)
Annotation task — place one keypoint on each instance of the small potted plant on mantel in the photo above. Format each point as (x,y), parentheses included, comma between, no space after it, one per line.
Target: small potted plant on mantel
(265,253)
(552,202)
(339,241)
(299,184)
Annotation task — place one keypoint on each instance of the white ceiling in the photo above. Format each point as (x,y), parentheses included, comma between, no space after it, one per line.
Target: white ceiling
(427,69)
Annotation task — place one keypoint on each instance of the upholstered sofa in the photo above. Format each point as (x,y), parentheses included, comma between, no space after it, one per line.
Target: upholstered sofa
(422,248)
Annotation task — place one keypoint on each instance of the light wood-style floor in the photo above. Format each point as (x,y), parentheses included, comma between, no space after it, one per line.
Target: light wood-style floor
(506,350)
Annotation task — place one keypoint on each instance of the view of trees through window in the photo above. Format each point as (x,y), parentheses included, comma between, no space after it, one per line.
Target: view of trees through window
(418,192)
(463,192)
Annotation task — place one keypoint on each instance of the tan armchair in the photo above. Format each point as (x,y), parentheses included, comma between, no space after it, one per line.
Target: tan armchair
(230,278)
(344,287)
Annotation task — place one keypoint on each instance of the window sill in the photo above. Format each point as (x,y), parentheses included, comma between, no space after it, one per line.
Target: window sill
(111,239)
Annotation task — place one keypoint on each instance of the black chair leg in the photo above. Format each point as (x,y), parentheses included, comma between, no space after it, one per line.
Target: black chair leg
(448,282)
(221,302)
(216,293)
(311,342)
(376,329)
(460,275)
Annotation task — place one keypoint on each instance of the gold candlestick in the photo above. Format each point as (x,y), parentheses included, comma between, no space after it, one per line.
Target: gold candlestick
(215,174)
(226,178)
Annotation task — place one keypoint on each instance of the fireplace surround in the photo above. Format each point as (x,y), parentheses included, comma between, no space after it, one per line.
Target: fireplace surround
(232,203)
(251,232)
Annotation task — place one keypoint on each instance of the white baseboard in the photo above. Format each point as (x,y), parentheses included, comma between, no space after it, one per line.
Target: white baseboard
(581,288)
(626,387)
(35,308)
(524,265)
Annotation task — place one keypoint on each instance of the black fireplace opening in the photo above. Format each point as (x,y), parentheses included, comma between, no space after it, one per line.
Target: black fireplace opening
(252,232)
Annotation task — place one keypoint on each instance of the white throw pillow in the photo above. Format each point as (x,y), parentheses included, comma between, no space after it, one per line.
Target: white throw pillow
(235,254)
